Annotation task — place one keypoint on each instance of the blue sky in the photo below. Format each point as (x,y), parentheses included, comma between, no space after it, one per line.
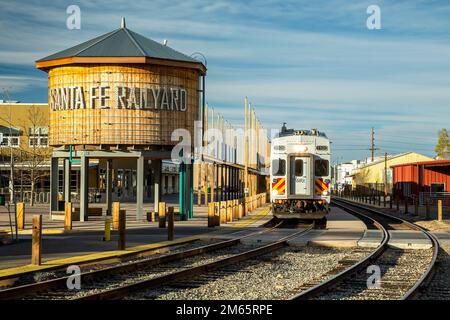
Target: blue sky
(313,64)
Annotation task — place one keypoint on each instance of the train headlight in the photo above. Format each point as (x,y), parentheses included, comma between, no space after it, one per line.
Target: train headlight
(301,148)
(325,193)
(274,192)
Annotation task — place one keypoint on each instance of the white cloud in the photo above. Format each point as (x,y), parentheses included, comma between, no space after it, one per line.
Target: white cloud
(312,63)
(16,84)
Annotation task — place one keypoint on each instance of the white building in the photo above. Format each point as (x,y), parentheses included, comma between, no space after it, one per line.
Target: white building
(343,173)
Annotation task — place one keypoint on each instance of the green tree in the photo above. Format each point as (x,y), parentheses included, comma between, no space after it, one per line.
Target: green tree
(443,144)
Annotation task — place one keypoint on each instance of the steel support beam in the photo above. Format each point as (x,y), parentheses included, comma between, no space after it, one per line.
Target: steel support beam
(109,187)
(140,188)
(67,168)
(84,188)
(190,193)
(182,191)
(53,185)
(157,171)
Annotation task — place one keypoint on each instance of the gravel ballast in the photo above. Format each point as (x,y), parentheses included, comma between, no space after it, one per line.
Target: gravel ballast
(277,275)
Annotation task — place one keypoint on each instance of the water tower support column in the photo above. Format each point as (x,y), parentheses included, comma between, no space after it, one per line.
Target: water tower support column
(84,188)
(139,188)
(54,185)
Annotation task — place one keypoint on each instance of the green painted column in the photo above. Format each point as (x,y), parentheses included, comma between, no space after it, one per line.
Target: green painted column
(182,191)
(191,191)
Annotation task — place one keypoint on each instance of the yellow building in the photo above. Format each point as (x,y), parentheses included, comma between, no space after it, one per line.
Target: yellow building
(24,126)
(372,175)
(24,136)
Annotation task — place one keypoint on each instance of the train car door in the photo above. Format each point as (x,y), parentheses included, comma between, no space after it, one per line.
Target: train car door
(300,170)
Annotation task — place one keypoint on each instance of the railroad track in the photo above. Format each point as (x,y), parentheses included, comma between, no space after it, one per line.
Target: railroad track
(119,281)
(57,271)
(399,279)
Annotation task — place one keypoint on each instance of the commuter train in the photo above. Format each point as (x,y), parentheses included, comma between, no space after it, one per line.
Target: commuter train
(300,174)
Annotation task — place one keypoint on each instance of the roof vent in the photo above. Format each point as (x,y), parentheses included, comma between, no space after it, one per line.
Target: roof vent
(165,42)
(123,24)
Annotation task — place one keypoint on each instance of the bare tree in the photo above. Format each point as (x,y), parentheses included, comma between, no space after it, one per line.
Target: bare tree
(35,151)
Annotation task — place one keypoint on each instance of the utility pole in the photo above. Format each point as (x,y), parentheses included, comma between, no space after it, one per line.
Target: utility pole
(372,144)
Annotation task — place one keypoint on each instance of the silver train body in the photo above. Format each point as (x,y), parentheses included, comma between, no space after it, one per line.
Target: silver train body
(300,174)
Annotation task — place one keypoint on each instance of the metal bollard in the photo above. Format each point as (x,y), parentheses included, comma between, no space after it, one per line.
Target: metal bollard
(229,210)
(162,215)
(68,216)
(107,231)
(406,205)
(115,215)
(439,210)
(211,219)
(20,215)
(151,216)
(36,246)
(217,213)
(170,224)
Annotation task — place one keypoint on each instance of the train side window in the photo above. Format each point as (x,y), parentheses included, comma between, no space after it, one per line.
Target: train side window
(321,168)
(298,168)
(278,167)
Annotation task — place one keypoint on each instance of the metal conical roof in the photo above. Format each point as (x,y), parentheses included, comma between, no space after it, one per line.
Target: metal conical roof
(121,42)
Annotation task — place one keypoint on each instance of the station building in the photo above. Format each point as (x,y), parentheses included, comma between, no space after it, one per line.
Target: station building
(425,180)
(371,176)
(24,131)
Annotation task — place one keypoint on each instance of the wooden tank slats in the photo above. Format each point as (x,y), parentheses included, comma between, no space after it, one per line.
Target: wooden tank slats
(121,126)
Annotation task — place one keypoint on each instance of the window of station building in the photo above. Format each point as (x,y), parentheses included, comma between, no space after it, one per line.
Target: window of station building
(298,168)
(10,141)
(38,137)
(278,167)
(321,168)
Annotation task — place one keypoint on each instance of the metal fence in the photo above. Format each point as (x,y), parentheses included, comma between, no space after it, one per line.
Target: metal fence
(433,197)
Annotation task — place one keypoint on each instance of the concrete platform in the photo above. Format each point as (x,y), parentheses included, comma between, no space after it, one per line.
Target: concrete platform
(408,239)
(444,237)
(343,230)
(266,235)
(370,239)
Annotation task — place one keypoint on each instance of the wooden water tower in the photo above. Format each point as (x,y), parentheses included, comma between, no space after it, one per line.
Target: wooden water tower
(119,95)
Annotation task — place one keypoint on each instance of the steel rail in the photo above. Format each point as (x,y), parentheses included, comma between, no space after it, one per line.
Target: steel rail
(120,292)
(330,282)
(427,276)
(42,286)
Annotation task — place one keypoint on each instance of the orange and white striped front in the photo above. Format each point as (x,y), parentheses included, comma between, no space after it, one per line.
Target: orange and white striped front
(279,184)
(321,186)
